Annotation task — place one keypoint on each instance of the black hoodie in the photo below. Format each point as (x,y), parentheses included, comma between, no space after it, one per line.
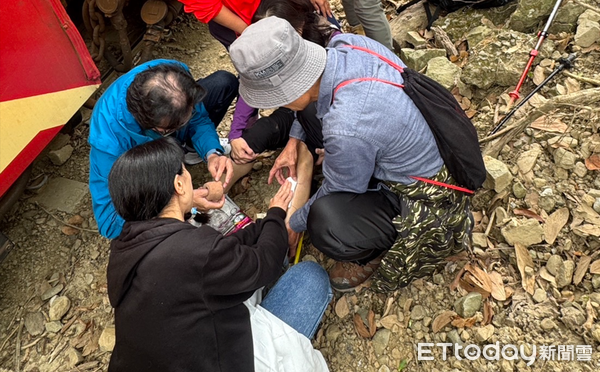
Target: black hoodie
(178,293)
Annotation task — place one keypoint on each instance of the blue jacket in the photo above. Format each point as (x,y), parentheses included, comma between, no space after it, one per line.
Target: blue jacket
(370,129)
(113,130)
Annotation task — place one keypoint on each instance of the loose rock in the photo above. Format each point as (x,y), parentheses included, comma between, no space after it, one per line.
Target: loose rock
(484,333)
(498,176)
(34,323)
(565,274)
(418,312)
(468,305)
(59,308)
(381,340)
(539,295)
(525,232)
(107,339)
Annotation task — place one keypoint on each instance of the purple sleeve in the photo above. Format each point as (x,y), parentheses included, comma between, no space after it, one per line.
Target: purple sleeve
(241,116)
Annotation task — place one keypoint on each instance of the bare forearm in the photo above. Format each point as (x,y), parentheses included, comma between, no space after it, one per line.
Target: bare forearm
(230,20)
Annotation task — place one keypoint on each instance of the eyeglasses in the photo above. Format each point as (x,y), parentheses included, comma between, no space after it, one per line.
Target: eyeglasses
(167,132)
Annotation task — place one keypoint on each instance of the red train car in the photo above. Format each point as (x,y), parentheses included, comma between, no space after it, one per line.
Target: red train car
(46,74)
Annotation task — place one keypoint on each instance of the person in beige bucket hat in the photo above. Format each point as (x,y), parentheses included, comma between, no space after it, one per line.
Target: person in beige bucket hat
(369,214)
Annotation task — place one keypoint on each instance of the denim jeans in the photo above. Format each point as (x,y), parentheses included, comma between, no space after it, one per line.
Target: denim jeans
(222,88)
(300,297)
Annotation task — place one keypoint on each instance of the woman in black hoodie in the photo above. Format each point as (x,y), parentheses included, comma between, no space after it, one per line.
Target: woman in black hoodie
(183,296)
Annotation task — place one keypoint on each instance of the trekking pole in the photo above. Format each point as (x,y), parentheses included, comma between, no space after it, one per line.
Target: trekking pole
(514,95)
(564,63)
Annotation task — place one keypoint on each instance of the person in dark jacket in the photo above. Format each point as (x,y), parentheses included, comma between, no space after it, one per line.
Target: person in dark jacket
(183,294)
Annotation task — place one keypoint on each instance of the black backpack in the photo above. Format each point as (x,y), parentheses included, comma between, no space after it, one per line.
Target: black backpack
(454,133)
(451,6)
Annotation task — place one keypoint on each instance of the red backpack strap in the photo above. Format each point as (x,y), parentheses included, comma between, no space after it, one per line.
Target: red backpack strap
(442,184)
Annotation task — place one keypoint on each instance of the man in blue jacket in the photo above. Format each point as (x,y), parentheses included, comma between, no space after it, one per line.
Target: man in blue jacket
(156,99)
(369,213)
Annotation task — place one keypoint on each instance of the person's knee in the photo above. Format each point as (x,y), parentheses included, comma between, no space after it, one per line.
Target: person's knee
(314,277)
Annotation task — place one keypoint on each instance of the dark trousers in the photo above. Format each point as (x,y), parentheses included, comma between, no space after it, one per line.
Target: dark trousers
(272,132)
(222,88)
(354,227)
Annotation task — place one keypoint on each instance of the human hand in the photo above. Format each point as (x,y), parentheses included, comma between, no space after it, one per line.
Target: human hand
(321,153)
(241,153)
(202,203)
(287,159)
(322,7)
(217,165)
(283,197)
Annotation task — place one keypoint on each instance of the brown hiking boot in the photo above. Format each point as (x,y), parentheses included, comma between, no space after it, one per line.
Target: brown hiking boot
(346,276)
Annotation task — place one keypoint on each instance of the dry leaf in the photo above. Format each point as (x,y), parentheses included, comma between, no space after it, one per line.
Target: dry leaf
(595,267)
(555,222)
(593,162)
(549,124)
(591,316)
(544,274)
(488,313)
(341,307)
(456,282)
(582,266)
(371,320)
(528,213)
(75,220)
(478,278)
(464,323)
(361,329)
(587,230)
(388,306)
(470,113)
(390,321)
(68,230)
(509,292)
(525,261)
(442,320)
(498,291)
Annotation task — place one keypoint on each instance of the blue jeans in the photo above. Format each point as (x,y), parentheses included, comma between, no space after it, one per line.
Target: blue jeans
(300,297)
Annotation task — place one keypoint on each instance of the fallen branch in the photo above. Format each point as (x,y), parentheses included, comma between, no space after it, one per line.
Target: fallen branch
(65,223)
(443,39)
(597,10)
(582,79)
(582,97)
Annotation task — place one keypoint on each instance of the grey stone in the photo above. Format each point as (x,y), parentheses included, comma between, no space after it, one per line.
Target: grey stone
(476,35)
(519,190)
(564,158)
(501,215)
(257,166)
(530,14)
(479,240)
(54,326)
(34,323)
(381,340)
(332,332)
(454,337)
(62,194)
(72,357)
(59,307)
(565,274)
(596,281)
(554,264)
(588,33)
(438,279)
(527,160)
(418,312)
(443,71)
(498,176)
(566,18)
(417,59)
(594,193)
(539,295)
(60,156)
(106,342)
(596,205)
(596,332)
(484,333)
(501,59)
(588,16)
(547,324)
(580,169)
(572,318)
(525,232)
(59,141)
(468,305)
(52,292)
(547,203)
(414,38)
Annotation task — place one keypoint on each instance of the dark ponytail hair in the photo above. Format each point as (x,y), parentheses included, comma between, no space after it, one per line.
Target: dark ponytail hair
(141,181)
(300,14)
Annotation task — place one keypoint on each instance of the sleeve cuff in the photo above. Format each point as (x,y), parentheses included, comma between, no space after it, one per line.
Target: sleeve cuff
(276,211)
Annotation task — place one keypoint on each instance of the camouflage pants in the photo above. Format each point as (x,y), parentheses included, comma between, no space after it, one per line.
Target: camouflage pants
(435,223)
